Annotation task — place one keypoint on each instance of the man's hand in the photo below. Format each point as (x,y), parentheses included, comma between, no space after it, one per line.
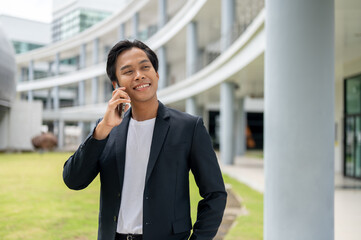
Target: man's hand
(112,117)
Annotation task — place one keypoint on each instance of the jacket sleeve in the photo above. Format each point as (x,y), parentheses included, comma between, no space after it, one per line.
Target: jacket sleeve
(83,166)
(207,174)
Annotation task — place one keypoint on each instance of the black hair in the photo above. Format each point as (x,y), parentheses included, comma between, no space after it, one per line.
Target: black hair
(126,45)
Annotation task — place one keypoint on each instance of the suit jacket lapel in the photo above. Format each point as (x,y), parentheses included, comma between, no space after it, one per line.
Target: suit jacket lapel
(159,134)
(121,133)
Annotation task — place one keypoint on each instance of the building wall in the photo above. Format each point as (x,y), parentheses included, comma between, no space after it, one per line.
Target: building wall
(4,127)
(25,120)
(73,16)
(61,7)
(19,29)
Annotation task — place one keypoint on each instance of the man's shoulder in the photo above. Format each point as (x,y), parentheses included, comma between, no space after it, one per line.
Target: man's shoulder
(181,116)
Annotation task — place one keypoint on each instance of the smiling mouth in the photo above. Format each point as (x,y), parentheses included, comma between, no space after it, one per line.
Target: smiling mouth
(142,86)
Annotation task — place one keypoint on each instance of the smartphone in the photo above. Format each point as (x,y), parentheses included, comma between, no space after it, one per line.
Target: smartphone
(121,109)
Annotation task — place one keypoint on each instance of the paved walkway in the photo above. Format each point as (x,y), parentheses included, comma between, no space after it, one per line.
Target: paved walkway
(347,195)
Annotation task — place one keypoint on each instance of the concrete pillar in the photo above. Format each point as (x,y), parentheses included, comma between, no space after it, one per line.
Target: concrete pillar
(48,100)
(299,120)
(339,87)
(191,106)
(81,93)
(227,137)
(82,56)
(57,64)
(162,57)
(61,134)
(192,49)
(96,51)
(95,79)
(50,70)
(56,101)
(121,32)
(191,63)
(81,84)
(162,13)
(81,125)
(23,74)
(56,129)
(31,78)
(135,25)
(241,124)
(228,18)
(227,116)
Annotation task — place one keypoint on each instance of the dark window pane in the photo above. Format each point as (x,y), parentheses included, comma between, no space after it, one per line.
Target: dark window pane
(353,86)
(350,143)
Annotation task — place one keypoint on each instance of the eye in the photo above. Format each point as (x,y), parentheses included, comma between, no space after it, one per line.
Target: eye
(128,72)
(146,67)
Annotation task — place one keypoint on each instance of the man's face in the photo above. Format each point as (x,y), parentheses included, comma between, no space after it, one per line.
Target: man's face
(136,73)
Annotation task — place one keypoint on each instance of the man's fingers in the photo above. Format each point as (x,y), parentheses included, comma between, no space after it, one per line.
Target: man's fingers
(116,102)
(120,94)
(117,90)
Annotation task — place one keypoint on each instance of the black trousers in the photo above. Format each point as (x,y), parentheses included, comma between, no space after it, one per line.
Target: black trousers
(119,236)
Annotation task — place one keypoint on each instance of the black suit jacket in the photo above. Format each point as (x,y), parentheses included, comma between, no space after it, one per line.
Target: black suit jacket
(180,143)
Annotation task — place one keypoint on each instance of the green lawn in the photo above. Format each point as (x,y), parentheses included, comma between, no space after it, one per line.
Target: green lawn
(249,226)
(35,203)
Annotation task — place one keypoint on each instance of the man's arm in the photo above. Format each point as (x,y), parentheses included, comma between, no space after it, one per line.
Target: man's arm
(206,171)
(82,167)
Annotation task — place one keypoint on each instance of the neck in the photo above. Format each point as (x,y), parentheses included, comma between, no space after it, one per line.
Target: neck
(144,111)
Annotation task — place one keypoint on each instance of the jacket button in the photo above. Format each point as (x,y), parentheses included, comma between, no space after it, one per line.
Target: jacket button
(118,194)
(147,198)
(115,218)
(147,223)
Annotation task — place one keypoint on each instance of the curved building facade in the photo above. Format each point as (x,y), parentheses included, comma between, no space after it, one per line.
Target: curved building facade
(212,63)
(19,120)
(197,43)
(7,71)
(230,61)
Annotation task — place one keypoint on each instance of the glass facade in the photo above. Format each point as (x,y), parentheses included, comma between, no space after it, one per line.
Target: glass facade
(76,22)
(352,124)
(21,47)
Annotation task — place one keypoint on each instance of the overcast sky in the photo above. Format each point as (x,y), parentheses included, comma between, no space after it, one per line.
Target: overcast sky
(39,10)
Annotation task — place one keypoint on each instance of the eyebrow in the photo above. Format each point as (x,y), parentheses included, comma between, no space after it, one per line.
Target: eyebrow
(128,66)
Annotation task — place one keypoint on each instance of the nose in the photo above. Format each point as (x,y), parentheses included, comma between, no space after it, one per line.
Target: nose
(139,75)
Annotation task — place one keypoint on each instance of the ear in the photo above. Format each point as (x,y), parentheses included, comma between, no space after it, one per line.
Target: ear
(157,74)
(114,83)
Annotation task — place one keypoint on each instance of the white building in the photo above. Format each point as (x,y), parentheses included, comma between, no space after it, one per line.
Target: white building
(19,120)
(21,33)
(193,34)
(70,17)
(223,58)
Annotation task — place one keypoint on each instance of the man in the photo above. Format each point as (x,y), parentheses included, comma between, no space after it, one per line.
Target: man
(144,159)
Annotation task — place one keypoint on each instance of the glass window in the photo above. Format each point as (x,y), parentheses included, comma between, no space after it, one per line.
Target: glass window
(353,96)
(352,148)
(75,22)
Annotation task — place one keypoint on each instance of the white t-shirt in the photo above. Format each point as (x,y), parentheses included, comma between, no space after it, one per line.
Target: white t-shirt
(130,219)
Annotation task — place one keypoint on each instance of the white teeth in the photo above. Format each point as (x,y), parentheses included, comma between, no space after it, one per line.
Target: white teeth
(142,86)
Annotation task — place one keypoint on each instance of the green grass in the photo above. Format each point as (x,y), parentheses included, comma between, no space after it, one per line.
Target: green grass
(36,204)
(194,197)
(249,226)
